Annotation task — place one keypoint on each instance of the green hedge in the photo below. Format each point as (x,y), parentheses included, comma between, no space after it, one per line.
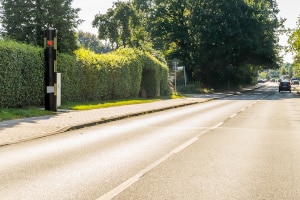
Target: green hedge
(108,76)
(69,69)
(121,74)
(21,75)
(85,75)
(154,77)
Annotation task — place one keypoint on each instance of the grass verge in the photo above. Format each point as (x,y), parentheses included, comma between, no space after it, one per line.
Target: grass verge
(103,104)
(16,113)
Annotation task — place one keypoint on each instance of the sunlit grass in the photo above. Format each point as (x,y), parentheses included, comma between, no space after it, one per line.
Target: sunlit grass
(176,95)
(17,113)
(103,104)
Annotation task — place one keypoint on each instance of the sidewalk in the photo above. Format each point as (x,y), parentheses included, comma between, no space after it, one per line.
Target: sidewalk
(15,131)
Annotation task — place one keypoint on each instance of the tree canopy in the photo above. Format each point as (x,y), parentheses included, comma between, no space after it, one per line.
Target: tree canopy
(90,41)
(218,41)
(120,25)
(294,42)
(25,21)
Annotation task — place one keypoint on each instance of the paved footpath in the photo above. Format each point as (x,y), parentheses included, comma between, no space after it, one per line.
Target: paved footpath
(15,131)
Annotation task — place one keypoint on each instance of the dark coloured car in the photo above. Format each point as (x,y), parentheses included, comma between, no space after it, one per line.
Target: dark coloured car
(285,86)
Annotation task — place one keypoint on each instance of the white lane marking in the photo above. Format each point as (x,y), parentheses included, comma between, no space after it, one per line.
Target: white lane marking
(218,125)
(126,184)
(185,145)
(114,192)
(232,116)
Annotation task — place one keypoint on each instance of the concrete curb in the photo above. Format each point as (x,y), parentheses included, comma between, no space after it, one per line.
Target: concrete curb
(127,116)
(124,115)
(97,122)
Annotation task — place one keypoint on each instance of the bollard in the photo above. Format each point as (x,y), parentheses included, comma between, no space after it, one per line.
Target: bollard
(50,44)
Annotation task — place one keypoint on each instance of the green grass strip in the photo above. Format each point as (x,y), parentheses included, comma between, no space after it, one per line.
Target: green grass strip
(16,113)
(104,104)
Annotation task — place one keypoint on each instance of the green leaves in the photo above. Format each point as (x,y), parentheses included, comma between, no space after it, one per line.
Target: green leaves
(90,41)
(21,75)
(215,40)
(121,26)
(86,76)
(25,20)
(294,41)
(119,74)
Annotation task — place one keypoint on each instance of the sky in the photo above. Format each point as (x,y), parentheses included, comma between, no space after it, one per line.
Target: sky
(90,8)
(289,9)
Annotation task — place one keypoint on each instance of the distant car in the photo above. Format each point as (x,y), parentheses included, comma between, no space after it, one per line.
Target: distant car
(285,86)
(295,81)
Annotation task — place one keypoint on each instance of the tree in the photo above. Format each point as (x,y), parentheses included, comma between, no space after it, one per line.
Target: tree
(218,41)
(120,26)
(283,70)
(294,39)
(90,41)
(25,21)
(294,42)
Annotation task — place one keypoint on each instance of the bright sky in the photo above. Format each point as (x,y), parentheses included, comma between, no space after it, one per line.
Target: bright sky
(289,9)
(90,8)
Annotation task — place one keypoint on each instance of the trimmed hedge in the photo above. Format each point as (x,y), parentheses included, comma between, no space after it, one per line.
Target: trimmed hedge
(154,77)
(109,76)
(86,76)
(21,75)
(120,74)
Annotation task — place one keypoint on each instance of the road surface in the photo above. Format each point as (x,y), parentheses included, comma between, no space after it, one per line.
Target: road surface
(241,147)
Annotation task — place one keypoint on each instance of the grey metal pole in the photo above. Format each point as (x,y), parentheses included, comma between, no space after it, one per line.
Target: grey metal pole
(175,63)
(184,75)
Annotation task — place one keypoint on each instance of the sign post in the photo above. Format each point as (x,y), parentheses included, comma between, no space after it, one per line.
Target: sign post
(50,44)
(175,63)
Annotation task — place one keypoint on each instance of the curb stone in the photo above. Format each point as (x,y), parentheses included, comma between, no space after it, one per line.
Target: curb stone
(16,131)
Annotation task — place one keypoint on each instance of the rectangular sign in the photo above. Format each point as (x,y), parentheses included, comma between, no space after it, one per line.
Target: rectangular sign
(50,89)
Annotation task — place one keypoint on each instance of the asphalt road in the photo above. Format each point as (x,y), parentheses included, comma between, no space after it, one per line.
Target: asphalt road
(241,147)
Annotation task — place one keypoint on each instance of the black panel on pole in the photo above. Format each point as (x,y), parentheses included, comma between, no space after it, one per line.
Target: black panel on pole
(50,71)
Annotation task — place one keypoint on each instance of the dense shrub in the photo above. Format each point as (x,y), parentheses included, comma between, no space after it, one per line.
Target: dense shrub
(121,74)
(69,69)
(154,77)
(108,76)
(21,75)
(85,75)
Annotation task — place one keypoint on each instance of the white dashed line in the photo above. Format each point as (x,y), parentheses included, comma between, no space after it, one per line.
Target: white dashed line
(184,145)
(218,125)
(232,116)
(126,184)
